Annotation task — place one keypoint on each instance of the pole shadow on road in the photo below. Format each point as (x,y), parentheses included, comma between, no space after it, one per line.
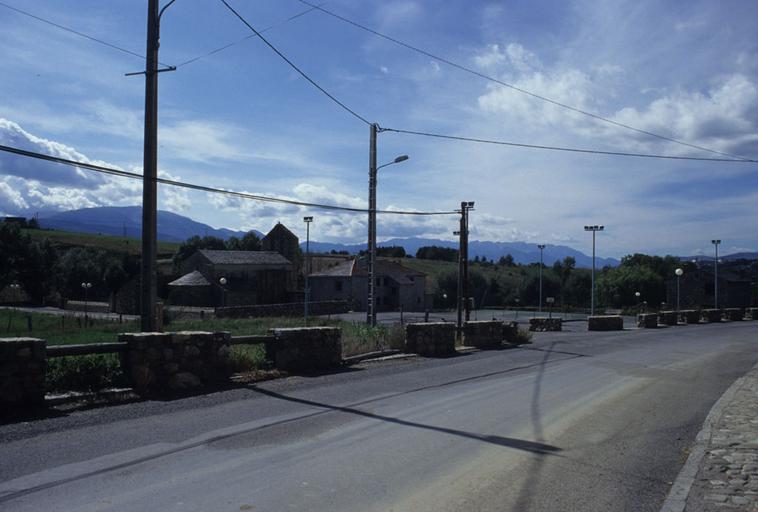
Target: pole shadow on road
(507,442)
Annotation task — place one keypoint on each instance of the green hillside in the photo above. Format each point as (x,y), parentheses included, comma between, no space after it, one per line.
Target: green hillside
(110,243)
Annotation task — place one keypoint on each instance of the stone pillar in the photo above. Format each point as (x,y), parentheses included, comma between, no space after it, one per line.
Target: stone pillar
(483,334)
(605,323)
(711,315)
(307,349)
(647,321)
(691,316)
(541,324)
(668,318)
(164,362)
(734,314)
(23,362)
(433,339)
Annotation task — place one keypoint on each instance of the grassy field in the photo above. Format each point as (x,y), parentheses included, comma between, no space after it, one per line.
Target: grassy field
(110,243)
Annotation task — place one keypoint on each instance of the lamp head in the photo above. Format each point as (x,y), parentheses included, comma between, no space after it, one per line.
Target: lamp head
(401,158)
(222,281)
(307,219)
(679,272)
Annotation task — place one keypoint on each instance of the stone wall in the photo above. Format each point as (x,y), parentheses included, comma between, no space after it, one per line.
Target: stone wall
(668,318)
(647,320)
(179,361)
(22,371)
(711,315)
(691,316)
(331,307)
(542,323)
(753,313)
(734,314)
(433,339)
(605,323)
(307,349)
(483,334)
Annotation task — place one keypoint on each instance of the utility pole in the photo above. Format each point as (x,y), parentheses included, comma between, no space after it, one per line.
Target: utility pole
(716,275)
(307,294)
(371,299)
(459,295)
(541,248)
(149,175)
(466,206)
(594,230)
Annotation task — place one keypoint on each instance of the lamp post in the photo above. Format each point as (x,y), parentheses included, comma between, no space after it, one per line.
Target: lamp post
(85,287)
(716,274)
(594,230)
(222,282)
(541,248)
(637,296)
(678,273)
(307,294)
(372,172)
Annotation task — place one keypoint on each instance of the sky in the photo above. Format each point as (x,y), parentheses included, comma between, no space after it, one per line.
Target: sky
(242,119)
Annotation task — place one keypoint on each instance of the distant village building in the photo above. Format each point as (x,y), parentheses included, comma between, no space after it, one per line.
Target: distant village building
(396,286)
(250,277)
(697,290)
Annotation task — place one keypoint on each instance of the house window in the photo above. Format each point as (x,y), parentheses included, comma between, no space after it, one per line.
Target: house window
(338,286)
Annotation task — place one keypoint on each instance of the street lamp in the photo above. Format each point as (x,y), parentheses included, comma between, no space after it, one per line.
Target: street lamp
(637,296)
(372,172)
(85,287)
(307,294)
(594,230)
(716,275)
(15,288)
(678,273)
(222,282)
(541,247)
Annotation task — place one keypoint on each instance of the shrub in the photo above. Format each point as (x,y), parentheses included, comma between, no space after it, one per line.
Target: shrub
(84,373)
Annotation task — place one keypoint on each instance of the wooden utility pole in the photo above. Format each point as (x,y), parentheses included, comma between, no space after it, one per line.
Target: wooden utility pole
(371,297)
(148,291)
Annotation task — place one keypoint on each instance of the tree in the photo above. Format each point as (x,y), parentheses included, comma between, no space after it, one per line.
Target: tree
(506,261)
(12,248)
(36,271)
(563,271)
(394,251)
(433,252)
(249,242)
(195,243)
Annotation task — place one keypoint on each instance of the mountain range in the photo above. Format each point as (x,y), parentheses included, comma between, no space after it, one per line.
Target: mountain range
(127,221)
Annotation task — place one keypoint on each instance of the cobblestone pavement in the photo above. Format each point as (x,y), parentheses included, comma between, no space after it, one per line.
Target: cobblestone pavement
(728,475)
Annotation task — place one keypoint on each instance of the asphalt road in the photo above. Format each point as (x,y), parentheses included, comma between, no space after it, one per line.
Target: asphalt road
(576,421)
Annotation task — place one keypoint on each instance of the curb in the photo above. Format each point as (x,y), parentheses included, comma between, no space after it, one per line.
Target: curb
(676,499)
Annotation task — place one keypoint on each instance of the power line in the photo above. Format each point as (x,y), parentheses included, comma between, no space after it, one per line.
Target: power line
(568,149)
(293,66)
(202,188)
(514,87)
(251,36)
(75,32)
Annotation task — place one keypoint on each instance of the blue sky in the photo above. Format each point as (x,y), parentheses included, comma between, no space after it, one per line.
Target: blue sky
(242,119)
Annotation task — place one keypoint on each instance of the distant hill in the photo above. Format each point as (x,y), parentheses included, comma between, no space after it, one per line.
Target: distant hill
(127,221)
(728,257)
(522,252)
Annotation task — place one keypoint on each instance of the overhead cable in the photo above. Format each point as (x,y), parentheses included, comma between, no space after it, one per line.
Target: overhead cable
(568,149)
(75,32)
(514,87)
(293,66)
(251,36)
(202,188)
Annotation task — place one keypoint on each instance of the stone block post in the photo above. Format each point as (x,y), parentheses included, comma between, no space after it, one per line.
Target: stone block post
(542,324)
(483,334)
(605,323)
(307,349)
(647,320)
(668,318)
(690,316)
(23,362)
(711,315)
(433,339)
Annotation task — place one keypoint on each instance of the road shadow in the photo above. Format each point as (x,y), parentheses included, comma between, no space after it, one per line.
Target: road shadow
(507,442)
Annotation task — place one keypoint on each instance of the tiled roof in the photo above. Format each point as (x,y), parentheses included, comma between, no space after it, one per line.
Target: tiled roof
(244,257)
(359,268)
(192,279)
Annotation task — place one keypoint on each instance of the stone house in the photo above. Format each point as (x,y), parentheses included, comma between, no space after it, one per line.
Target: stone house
(396,286)
(252,277)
